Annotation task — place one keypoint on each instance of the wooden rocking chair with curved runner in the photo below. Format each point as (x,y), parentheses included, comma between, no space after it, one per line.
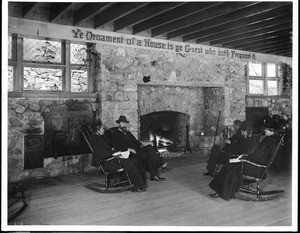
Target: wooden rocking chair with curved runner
(116,177)
(16,200)
(256,173)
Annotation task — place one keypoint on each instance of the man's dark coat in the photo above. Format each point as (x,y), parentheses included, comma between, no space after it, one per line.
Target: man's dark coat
(122,140)
(102,151)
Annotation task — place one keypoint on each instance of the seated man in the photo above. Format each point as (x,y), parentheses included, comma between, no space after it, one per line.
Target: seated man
(220,155)
(123,140)
(229,179)
(249,141)
(103,151)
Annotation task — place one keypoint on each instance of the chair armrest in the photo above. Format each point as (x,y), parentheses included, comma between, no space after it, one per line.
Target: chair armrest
(254,170)
(254,164)
(111,165)
(109,159)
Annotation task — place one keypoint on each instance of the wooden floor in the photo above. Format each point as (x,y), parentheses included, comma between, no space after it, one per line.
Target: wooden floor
(182,200)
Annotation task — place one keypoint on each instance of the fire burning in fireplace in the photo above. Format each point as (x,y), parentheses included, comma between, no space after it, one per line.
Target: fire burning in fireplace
(166,130)
(160,141)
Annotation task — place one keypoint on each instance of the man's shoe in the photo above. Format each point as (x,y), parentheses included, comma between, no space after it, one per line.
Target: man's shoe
(157,178)
(161,178)
(139,189)
(215,195)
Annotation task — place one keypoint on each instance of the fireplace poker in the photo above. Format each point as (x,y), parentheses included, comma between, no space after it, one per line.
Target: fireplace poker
(217,128)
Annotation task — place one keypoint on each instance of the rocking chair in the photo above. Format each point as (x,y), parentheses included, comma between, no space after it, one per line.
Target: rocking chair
(256,173)
(116,177)
(16,200)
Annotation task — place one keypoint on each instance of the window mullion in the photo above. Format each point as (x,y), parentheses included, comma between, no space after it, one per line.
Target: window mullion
(264,77)
(66,59)
(18,77)
(91,75)
(279,79)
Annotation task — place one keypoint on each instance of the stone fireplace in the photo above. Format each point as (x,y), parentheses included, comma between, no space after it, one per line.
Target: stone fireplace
(166,110)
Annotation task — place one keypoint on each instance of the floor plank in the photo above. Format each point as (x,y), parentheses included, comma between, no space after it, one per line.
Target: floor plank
(182,200)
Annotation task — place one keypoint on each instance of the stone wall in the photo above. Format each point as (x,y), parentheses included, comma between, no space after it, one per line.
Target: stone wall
(280,105)
(123,70)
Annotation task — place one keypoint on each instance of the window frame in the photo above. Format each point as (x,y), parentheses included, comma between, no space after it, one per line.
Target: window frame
(265,79)
(18,64)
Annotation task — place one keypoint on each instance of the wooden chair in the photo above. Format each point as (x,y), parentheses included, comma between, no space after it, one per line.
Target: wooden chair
(256,173)
(116,177)
(16,200)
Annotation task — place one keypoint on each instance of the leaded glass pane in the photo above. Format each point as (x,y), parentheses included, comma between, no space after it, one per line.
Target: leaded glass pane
(79,80)
(10,78)
(78,54)
(9,47)
(272,87)
(41,50)
(256,86)
(255,69)
(271,70)
(42,79)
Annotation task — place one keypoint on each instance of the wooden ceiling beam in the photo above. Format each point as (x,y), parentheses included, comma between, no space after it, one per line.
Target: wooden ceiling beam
(283,32)
(268,46)
(260,31)
(58,9)
(262,25)
(274,50)
(30,8)
(89,10)
(226,22)
(172,15)
(144,13)
(284,53)
(116,11)
(204,15)
(261,42)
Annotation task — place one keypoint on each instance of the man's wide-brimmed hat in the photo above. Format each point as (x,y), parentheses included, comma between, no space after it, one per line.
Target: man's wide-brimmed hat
(246,125)
(122,119)
(269,123)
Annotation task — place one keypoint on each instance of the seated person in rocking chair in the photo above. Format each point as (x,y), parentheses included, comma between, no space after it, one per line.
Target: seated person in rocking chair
(228,181)
(103,151)
(123,140)
(220,155)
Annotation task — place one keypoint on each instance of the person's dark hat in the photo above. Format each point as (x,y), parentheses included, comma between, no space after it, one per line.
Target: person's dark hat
(237,122)
(122,119)
(269,123)
(276,118)
(98,122)
(246,125)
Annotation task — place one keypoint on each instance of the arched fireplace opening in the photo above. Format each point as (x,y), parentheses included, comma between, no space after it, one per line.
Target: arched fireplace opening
(165,129)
